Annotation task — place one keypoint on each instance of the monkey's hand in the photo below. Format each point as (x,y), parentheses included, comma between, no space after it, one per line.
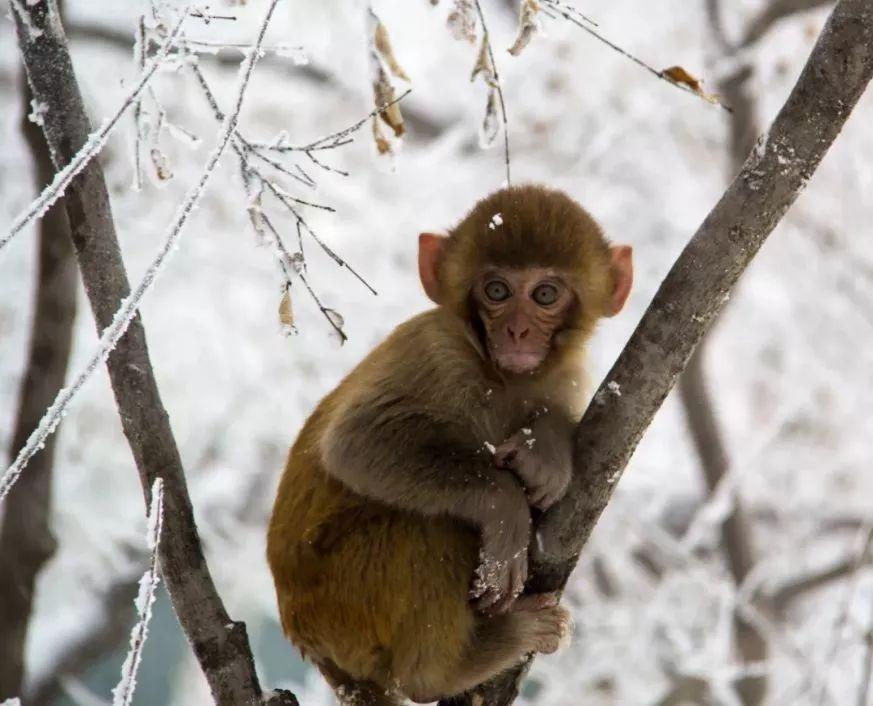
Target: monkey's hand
(542,460)
(502,569)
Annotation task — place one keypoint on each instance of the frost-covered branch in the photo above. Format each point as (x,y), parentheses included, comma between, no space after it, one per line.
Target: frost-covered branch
(675,76)
(293,266)
(130,305)
(95,141)
(220,644)
(122,694)
(694,291)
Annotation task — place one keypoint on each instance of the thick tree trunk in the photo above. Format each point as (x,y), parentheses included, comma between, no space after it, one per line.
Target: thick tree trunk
(694,291)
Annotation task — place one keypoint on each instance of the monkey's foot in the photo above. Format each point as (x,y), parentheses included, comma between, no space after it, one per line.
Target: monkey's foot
(553,629)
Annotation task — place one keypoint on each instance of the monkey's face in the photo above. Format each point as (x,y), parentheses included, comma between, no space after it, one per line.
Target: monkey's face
(521,310)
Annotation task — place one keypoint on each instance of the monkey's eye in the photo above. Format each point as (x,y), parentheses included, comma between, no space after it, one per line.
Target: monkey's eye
(545,294)
(497,291)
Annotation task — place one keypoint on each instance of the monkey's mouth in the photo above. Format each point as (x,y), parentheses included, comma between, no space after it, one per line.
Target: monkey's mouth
(518,362)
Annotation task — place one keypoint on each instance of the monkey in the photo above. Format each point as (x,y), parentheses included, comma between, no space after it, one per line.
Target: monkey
(399,537)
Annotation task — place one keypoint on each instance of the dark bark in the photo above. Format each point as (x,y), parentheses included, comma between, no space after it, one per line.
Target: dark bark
(220,644)
(700,408)
(694,291)
(26,538)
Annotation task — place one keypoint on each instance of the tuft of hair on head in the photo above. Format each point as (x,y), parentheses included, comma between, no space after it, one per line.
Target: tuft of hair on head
(527,226)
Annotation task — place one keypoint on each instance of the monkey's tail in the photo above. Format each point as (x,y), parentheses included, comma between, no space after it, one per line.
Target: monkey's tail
(353,692)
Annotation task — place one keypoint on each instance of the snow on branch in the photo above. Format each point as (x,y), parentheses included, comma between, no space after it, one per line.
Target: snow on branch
(692,294)
(130,305)
(257,182)
(122,694)
(96,141)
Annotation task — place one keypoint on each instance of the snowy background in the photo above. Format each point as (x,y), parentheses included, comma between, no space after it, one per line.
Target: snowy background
(790,364)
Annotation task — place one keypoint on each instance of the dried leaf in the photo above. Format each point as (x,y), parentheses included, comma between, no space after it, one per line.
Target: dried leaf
(161,165)
(528,25)
(491,123)
(286,313)
(680,76)
(483,63)
(383,46)
(462,21)
(382,144)
(337,322)
(383,93)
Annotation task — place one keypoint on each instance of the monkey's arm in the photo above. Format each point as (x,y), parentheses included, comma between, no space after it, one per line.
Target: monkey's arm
(540,454)
(411,461)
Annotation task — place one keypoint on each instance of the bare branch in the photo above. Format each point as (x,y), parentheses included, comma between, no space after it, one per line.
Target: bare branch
(220,644)
(773,12)
(93,144)
(694,291)
(799,586)
(498,86)
(566,11)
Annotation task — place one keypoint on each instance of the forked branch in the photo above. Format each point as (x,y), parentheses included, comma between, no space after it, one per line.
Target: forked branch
(694,291)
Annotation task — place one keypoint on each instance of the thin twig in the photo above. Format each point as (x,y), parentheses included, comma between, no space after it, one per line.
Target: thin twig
(284,258)
(867,666)
(335,139)
(282,196)
(843,616)
(561,10)
(95,142)
(498,85)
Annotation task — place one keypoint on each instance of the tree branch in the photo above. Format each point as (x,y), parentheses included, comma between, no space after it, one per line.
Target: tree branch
(26,538)
(694,291)
(774,12)
(700,410)
(220,644)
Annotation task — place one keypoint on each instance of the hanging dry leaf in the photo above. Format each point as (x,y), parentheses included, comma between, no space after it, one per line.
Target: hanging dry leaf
(679,75)
(383,146)
(483,63)
(462,20)
(161,165)
(383,91)
(337,322)
(383,46)
(528,25)
(491,122)
(286,313)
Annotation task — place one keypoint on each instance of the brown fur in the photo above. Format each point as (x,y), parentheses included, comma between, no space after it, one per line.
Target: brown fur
(376,592)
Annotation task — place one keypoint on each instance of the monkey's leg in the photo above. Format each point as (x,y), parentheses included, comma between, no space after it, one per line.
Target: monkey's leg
(352,692)
(498,643)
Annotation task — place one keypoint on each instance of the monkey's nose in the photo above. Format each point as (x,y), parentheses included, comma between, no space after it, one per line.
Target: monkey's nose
(516,335)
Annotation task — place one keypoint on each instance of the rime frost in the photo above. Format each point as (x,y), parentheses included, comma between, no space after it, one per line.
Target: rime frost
(122,694)
(91,148)
(130,305)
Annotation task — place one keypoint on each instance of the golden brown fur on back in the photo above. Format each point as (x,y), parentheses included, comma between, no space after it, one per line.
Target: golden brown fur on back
(356,579)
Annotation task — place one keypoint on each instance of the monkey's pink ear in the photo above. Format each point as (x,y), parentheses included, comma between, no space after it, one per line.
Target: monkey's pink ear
(621,265)
(430,255)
